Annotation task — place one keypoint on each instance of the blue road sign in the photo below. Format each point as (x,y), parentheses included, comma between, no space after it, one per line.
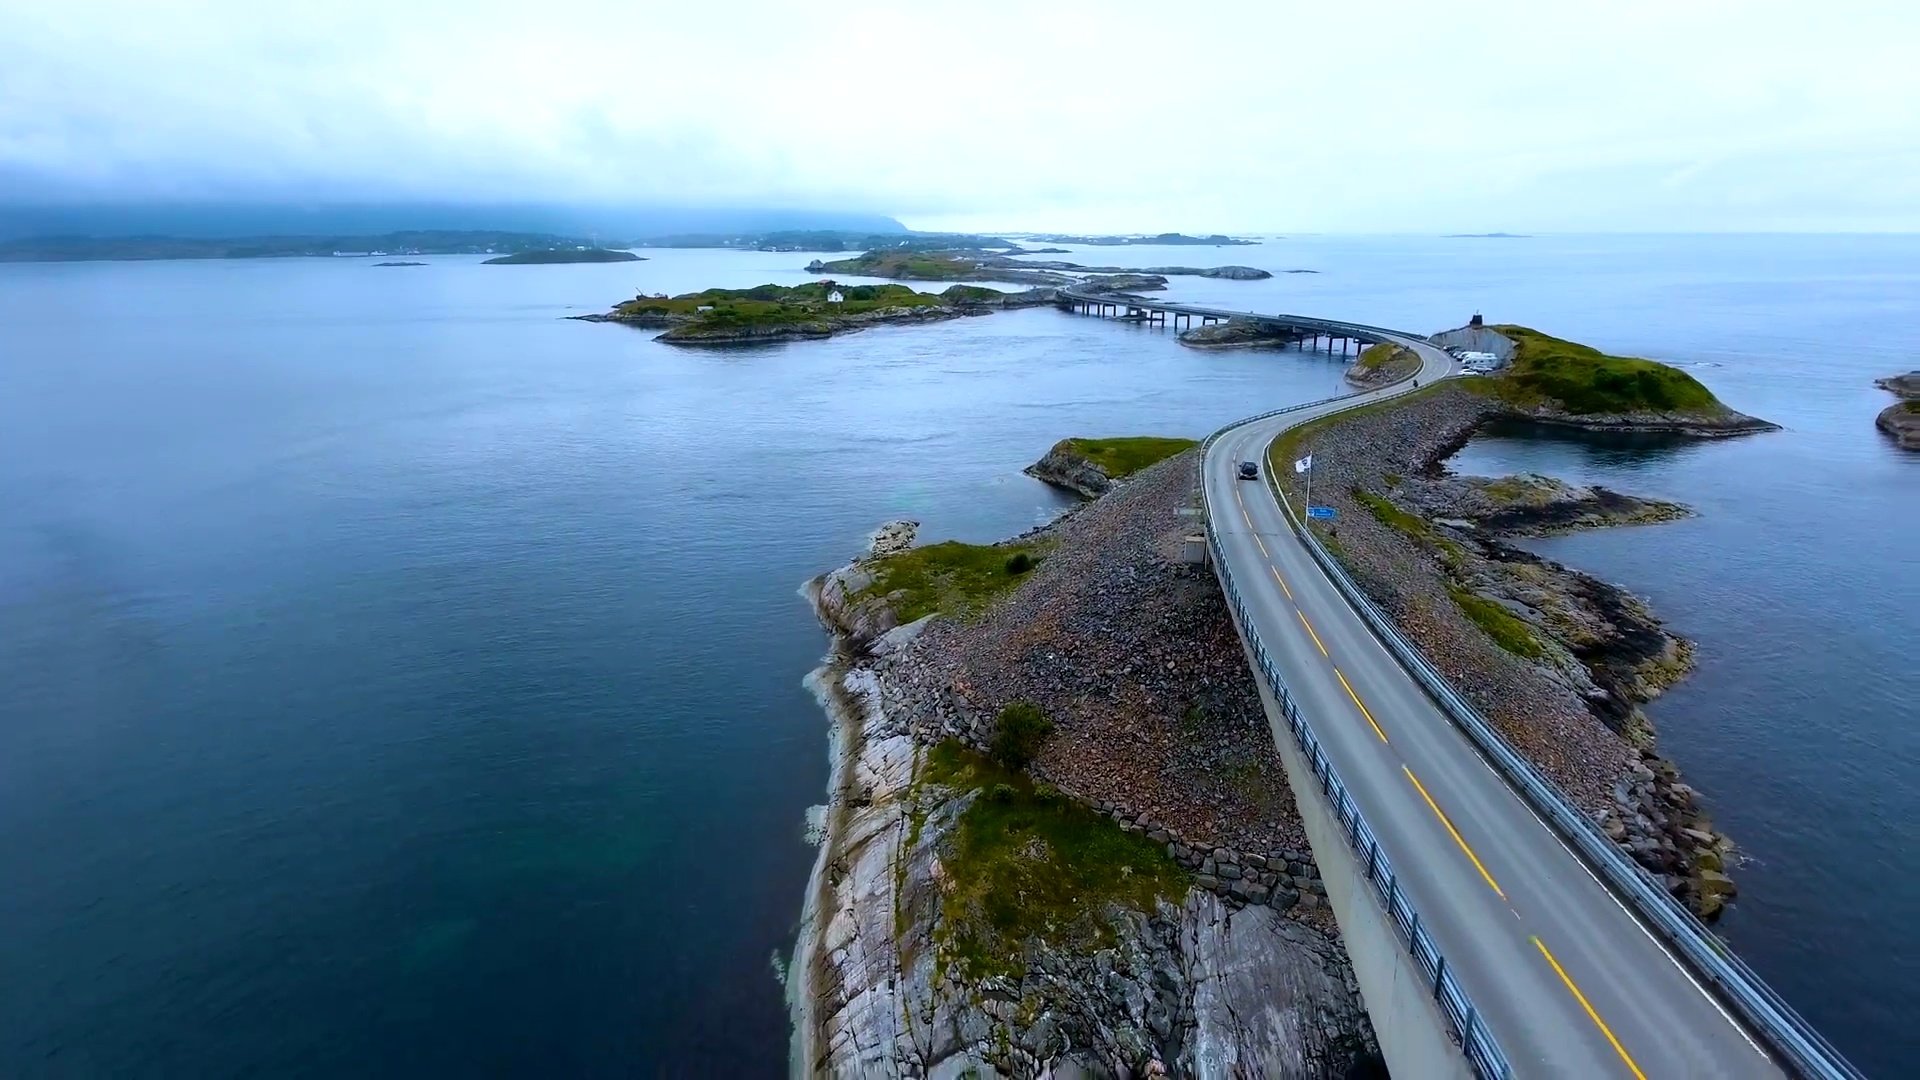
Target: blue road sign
(1324,513)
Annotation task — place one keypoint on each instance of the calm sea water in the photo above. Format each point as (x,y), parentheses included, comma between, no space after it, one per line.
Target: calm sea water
(402,678)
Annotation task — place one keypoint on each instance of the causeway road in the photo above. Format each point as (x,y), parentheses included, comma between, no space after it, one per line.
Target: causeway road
(1569,981)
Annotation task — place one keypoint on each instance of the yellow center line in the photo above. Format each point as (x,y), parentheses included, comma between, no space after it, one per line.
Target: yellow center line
(1263,547)
(1455,833)
(1281,580)
(1591,1015)
(1362,704)
(1310,633)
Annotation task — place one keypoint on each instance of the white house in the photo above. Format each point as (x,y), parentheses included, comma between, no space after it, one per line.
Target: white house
(834,297)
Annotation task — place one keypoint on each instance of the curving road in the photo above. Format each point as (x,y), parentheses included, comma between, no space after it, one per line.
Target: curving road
(1566,978)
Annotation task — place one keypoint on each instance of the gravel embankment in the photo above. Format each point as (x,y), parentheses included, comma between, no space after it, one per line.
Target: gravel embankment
(1135,659)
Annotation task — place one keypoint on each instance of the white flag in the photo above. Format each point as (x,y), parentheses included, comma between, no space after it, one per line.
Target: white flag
(1303,464)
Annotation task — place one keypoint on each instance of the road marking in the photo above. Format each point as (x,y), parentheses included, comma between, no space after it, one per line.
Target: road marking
(1244,517)
(1591,1015)
(1455,833)
(1309,626)
(1281,580)
(1362,704)
(1263,547)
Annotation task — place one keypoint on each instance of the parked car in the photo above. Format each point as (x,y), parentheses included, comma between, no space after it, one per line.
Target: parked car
(1249,471)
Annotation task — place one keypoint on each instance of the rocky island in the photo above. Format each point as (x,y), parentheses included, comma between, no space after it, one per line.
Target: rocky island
(563,255)
(1901,420)
(1060,841)
(1237,334)
(1560,661)
(773,313)
(1089,467)
(1173,239)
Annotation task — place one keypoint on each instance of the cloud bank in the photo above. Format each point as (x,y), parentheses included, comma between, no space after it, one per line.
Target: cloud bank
(1630,115)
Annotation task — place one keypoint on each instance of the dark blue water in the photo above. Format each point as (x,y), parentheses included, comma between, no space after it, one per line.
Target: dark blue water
(402,678)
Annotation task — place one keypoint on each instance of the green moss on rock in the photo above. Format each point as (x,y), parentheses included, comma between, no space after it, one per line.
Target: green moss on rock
(1025,864)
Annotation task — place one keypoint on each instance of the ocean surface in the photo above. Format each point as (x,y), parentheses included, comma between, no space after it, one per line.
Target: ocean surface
(401,678)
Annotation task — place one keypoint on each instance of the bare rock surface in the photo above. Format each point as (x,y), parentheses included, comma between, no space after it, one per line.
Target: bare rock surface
(1237,334)
(1064,468)
(1907,385)
(1530,504)
(1901,421)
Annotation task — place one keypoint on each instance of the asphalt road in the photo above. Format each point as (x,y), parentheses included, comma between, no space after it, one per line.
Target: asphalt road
(1566,978)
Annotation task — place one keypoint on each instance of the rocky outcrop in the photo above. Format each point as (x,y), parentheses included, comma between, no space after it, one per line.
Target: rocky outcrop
(1382,364)
(1529,505)
(1124,283)
(1063,467)
(840,597)
(1907,385)
(1229,273)
(972,297)
(1237,334)
(1558,660)
(1717,424)
(1901,421)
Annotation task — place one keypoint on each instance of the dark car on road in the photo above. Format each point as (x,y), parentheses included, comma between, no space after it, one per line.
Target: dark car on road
(1249,471)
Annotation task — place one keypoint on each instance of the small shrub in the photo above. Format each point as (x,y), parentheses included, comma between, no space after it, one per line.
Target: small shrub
(1018,734)
(1001,794)
(1019,563)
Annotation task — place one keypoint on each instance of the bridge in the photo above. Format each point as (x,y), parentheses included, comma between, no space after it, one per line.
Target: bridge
(1494,930)
(1309,333)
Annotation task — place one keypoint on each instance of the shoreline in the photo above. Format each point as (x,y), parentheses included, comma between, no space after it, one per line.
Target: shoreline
(801,989)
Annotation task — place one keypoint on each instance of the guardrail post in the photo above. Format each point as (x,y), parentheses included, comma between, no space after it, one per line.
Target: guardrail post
(1439,976)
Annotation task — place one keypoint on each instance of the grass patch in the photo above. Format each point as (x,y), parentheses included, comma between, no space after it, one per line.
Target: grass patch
(765,305)
(952,577)
(1390,515)
(1508,630)
(1379,355)
(1027,863)
(1018,733)
(1583,380)
(916,265)
(1126,456)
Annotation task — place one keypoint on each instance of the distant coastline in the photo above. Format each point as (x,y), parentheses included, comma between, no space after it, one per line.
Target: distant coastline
(562,255)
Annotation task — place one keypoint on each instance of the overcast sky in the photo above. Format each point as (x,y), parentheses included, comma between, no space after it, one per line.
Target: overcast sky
(1532,115)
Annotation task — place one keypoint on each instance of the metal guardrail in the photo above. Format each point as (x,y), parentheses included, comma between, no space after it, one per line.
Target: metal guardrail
(1804,1049)
(1464,1023)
